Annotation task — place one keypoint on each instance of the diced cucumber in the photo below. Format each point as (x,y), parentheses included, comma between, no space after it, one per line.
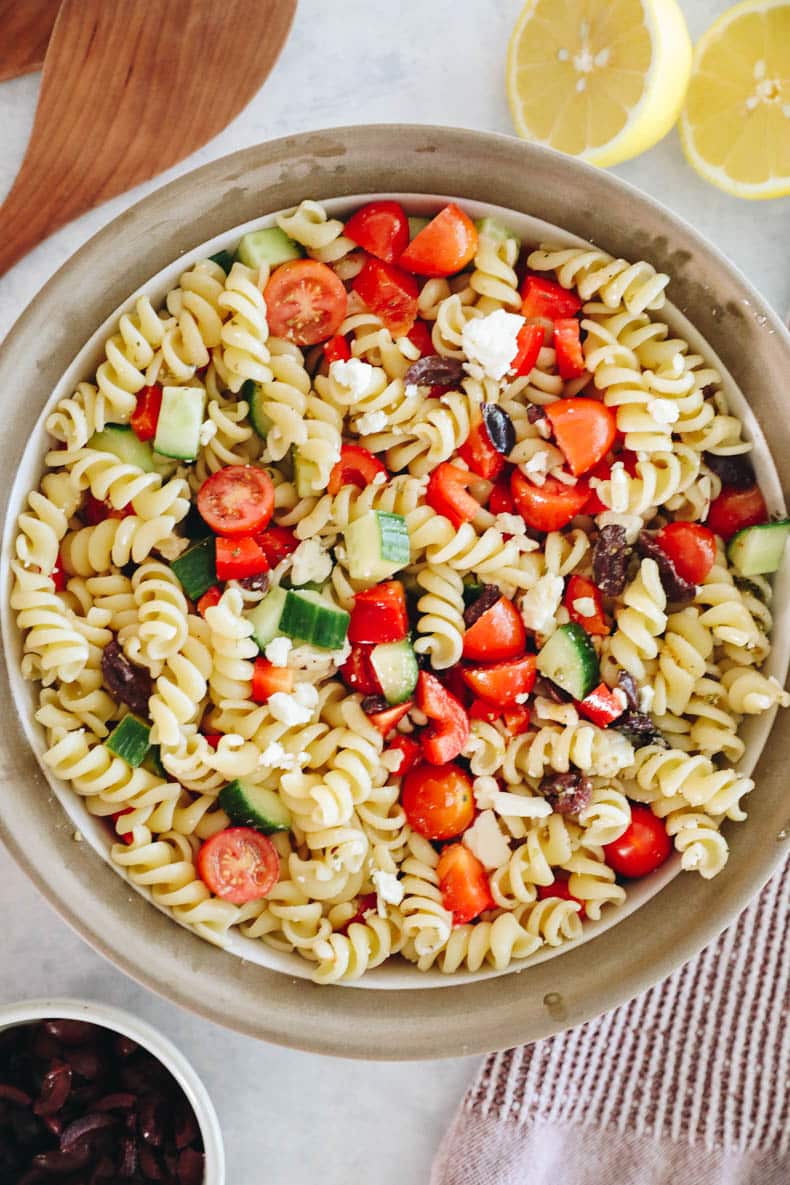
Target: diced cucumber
(254,806)
(377,545)
(130,740)
(196,569)
(153,763)
(307,617)
(570,661)
(308,586)
(757,551)
(492,228)
(472,591)
(120,440)
(271,246)
(306,475)
(252,393)
(396,670)
(416,225)
(224,259)
(179,423)
(194,526)
(265,617)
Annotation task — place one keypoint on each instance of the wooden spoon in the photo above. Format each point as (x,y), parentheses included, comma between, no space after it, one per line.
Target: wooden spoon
(26,26)
(127,90)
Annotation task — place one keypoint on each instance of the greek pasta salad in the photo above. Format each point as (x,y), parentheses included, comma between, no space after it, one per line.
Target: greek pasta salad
(399,587)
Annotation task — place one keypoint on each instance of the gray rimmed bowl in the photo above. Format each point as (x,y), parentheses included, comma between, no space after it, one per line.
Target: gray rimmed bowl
(411,1022)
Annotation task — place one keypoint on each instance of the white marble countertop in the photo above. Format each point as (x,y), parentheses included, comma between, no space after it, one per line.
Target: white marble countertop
(291,1118)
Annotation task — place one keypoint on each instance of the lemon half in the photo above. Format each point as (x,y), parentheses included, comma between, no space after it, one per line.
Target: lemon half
(735,127)
(600,80)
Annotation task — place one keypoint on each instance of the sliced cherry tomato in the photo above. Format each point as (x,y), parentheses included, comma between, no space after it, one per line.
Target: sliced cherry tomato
(409,751)
(366,904)
(389,293)
(444,246)
(500,500)
(497,634)
(237,500)
(438,800)
(643,846)
(337,349)
(602,705)
(239,556)
(268,679)
(379,614)
(528,345)
(584,429)
(357,672)
(453,680)
(463,883)
(277,543)
(213,738)
(390,718)
(209,598)
(381,228)
(480,454)
(560,888)
(516,719)
(502,683)
(480,709)
(691,547)
(420,336)
(58,576)
(95,512)
(735,509)
(238,864)
(305,302)
(448,730)
(545,298)
(356,467)
(146,414)
(568,348)
(579,588)
(548,507)
(446,493)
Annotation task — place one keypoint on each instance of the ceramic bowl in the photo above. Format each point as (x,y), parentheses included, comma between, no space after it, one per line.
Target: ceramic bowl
(462,1014)
(28,1011)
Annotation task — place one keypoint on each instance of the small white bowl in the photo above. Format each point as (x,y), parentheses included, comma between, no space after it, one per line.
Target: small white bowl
(27,1011)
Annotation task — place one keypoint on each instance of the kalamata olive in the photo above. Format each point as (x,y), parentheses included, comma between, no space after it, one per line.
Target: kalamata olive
(150,1165)
(257,583)
(640,729)
(185,1128)
(13,1094)
(125,682)
(88,1063)
(151,1119)
(127,1164)
(84,1126)
(120,1101)
(499,427)
(489,595)
(55,1161)
(627,685)
(55,1089)
(610,560)
(567,793)
(71,1032)
(535,413)
(435,370)
(736,471)
(191,1167)
(124,1046)
(374,703)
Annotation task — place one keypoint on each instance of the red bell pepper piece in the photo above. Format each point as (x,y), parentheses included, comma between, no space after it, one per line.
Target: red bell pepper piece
(463,883)
(497,634)
(603,705)
(545,298)
(276,543)
(446,493)
(146,414)
(209,598)
(239,557)
(95,512)
(268,679)
(420,336)
(568,347)
(529,343)
(58,576)
(385,721)
(213,738)
(480,454)
(516,718)
(448,732)
(379,614)
(559,888)
(735,509)
(500,500)
(357,671)
(357,467)
(501,683)
(409,753)
(337,349)
(126,836)
(365,904)
(579,588)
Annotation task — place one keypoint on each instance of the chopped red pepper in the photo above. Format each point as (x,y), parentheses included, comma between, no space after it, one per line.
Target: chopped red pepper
(357,671)
(420,336)
(568,347)
(448,732)
(385,721)
(545,298)
(463,883)
(502,683)
(239,557)
(268,679)
(480,454)
(500,500)
(409,753)
(528,345)
(516,718)
(126,836)
(584,429)
(337,349)
(58,576)
(579,588)
(276,543)
(603,705)
(735,509)
(209,598)
(95,512)
(379,614)
(146,414)
(356,467)
(365,904)
(447,493)
(559,888)
(497,634)
(213,738)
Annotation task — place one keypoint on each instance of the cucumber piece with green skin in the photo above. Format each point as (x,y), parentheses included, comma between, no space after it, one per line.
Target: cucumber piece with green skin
(225,260)
(254,806)
(307,617)
(130,740)
(153,763)
(265,617)
(196,569)
(252,393)
(120,440)
(416,225)
(492,228)
(179,423)
(377,546)
(306,475)
(569,660)
(472,591)
(396,669)
(194,526)
(271,246)
(758,551)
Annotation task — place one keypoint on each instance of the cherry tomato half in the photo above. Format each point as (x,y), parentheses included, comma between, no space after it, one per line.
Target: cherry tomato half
(447,493)
(501,683)
(584,429)
(276,543)
(643,846)
(691,547)
(237,500)
(238,864)
(581,589)
(463,883)
(381,228)
(388,292)
(409,752)
(305,302)
(379,614)
(438,800)
(548,507)
(497,634)
(444,246)
(735,509)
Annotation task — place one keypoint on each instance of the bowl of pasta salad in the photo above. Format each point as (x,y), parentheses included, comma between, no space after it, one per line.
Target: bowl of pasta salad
(391,570)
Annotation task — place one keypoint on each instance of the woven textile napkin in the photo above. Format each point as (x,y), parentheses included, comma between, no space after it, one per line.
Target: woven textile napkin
(688,1084)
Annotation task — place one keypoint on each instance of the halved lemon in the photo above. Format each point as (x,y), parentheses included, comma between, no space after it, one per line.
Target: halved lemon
(735,126)
(598,79)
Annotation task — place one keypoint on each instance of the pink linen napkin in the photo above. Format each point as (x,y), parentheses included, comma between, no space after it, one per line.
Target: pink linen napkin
(688,1084)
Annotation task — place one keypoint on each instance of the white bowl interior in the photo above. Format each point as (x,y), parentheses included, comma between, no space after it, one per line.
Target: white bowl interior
(394,974)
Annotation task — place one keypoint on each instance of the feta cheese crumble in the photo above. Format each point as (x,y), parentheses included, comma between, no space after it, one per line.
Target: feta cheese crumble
(389,890)
(411,390)
(539,604)
(208,429)
(277,651)
(665,411)
(296,708)
(275,756)
(510,524)
(485,840)
(584,606)
(490,343)
(631,523)
(618,488)
(645,698)
(172,547)
(488,797)
(356,376)
(310,562)
(372,421)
